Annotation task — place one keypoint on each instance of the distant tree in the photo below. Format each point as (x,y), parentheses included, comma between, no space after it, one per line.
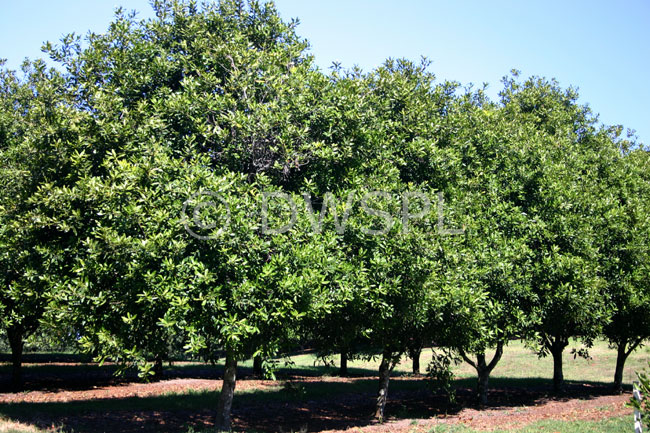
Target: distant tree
(485,272)
(334,324)
(129,259)
(385,302)
(39,146)
(624,249)
(396,296)
(560,160)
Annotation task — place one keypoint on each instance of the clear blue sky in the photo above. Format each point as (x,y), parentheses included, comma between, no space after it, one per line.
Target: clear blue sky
(603,48)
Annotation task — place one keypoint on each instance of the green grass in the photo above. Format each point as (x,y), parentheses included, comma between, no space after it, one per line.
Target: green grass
(612,425)
(518,362)
(9,426)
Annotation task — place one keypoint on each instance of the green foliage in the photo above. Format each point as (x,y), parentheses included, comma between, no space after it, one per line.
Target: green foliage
(625,232)
(204,112)
(40,147)
(441,376)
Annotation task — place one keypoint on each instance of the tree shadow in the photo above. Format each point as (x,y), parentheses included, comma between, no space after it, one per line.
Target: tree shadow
(307,404)
(79,377)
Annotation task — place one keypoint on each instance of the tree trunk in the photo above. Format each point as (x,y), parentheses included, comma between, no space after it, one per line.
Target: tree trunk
(482,386)
(415,356)
(620,364)
(257,366)
(483,378)
(557,349)
(483,370)
(16,343)
(624,349)
(158,368)
(227,392)
(343,369)
(384,376)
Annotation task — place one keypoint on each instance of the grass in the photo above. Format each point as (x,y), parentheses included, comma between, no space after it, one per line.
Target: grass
(521,362)
(9,426)
(518,362)
(612,425)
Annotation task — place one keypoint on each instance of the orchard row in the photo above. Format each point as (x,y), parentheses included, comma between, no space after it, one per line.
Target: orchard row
(100,155)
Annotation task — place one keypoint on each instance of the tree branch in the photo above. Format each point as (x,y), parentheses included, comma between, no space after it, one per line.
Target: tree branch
(497,357)
(467,359)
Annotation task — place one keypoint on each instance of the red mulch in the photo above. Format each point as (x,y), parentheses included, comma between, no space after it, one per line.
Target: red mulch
(510,408)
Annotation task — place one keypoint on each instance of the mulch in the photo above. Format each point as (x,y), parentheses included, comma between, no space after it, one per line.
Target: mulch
(509,407)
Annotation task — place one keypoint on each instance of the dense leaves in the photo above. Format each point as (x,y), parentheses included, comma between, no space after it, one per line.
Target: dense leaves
(194,183)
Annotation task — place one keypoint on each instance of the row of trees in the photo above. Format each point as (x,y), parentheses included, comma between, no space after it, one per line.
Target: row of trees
(102,158)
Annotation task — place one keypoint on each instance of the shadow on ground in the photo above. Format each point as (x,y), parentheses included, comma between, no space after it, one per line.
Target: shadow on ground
(307,404)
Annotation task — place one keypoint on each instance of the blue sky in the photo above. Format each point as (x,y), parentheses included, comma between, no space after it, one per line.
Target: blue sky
(603,48)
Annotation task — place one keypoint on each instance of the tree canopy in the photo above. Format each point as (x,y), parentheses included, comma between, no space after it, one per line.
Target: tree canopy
(194,182)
